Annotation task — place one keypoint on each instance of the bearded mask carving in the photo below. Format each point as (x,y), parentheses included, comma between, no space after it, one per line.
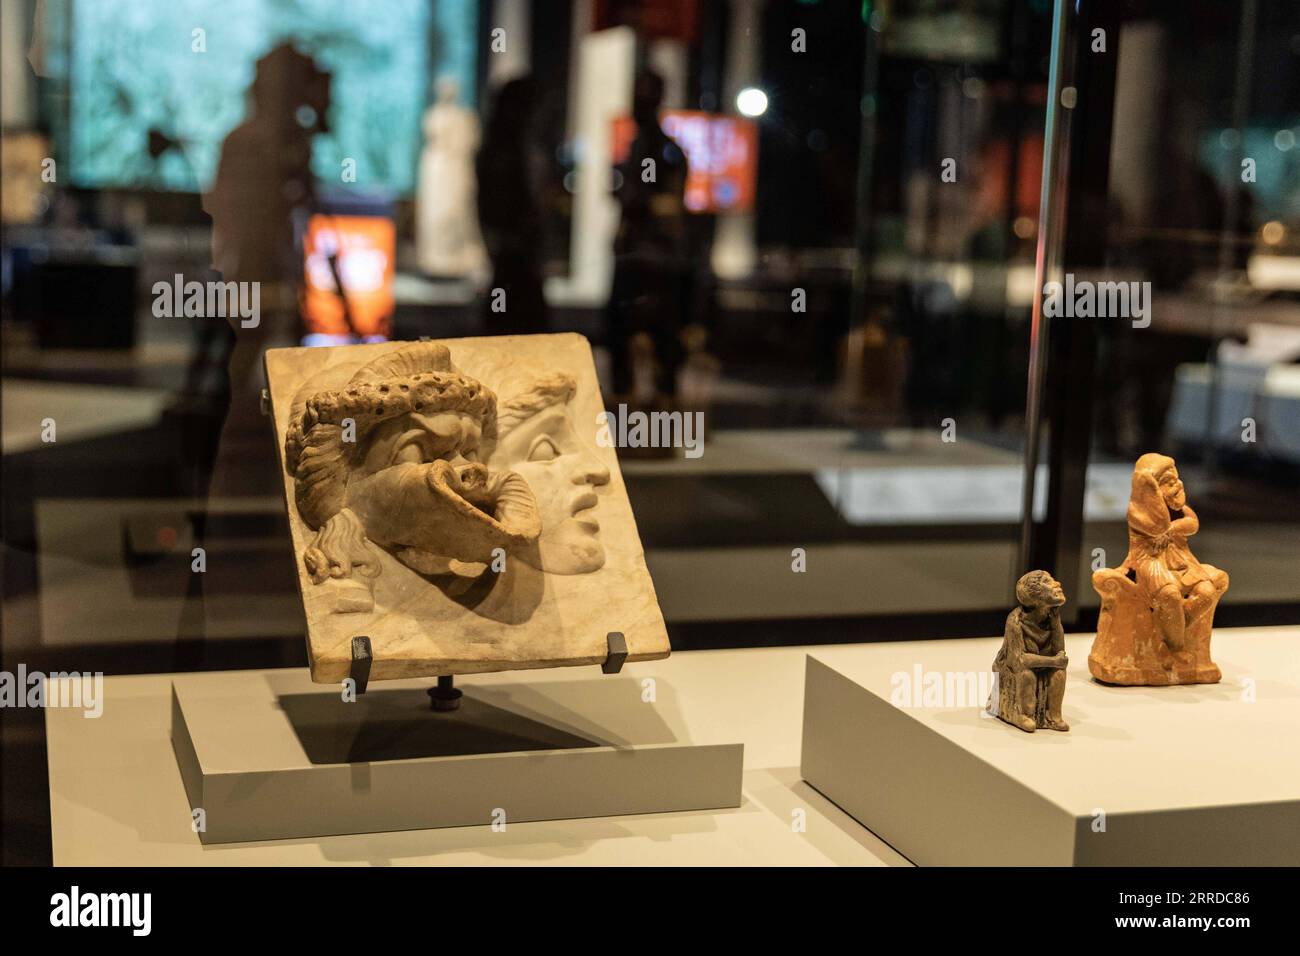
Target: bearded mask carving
(392,460)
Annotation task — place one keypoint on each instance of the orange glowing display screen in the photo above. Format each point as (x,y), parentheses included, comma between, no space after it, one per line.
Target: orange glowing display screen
(721,156)
(356,253)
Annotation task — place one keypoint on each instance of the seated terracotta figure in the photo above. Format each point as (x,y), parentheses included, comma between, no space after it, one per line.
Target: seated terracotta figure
(1157,608)
(1030,665)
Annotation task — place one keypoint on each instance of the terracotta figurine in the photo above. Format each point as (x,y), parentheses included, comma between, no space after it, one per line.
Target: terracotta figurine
(1030,667)
(1157,608)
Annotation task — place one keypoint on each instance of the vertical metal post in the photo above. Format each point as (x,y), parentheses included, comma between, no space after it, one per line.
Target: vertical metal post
(1072,235)
(1047,268)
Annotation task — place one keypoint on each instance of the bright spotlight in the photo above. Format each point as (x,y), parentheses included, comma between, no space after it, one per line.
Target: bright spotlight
(751,101)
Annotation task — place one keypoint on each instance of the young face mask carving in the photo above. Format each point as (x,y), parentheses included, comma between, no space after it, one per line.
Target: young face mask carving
(537,441)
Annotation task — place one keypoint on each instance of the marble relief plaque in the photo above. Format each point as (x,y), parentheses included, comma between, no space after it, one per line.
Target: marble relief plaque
(450,501)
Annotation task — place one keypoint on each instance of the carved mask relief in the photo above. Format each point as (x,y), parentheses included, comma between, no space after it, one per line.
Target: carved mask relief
(470,482)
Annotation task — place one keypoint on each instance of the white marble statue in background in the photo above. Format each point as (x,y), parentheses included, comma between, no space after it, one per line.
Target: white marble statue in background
(447,238)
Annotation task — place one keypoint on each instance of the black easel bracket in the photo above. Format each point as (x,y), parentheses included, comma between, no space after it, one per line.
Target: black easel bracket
(362,657)
(617,644)
(446,696)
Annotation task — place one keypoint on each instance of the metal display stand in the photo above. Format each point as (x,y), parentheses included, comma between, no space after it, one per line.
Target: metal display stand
(446,696)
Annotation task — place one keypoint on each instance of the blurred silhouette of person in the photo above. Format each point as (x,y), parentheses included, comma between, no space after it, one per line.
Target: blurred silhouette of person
(509,213)
(650,293)
(264,173)
(263,188)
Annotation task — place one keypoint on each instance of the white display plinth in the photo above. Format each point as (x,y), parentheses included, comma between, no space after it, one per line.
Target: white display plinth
(1199,775)
(117,799)
(269,757)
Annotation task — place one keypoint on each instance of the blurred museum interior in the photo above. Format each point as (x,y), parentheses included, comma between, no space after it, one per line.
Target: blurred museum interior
(835,261)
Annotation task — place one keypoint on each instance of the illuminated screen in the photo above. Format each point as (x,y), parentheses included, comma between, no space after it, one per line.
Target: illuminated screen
(721,156)
(183,67)
(356,252)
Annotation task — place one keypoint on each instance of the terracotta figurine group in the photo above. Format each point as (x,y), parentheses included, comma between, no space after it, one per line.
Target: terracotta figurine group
(1157,612)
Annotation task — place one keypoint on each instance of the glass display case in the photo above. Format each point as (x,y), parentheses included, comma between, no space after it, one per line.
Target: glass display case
(932,275)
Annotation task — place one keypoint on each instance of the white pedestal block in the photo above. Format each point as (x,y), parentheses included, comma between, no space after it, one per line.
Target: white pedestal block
(1199,775)
(273,756)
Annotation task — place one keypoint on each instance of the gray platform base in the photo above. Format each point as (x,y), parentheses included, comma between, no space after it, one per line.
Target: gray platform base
(268,760)
(1203,775)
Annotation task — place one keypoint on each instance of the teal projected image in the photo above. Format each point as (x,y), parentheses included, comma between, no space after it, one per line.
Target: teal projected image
(139,66)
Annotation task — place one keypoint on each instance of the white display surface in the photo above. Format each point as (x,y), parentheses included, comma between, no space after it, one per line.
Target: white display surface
(1203,774)
(116,796)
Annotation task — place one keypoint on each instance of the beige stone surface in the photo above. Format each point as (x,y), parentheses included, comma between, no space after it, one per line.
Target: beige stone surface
(475,524)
